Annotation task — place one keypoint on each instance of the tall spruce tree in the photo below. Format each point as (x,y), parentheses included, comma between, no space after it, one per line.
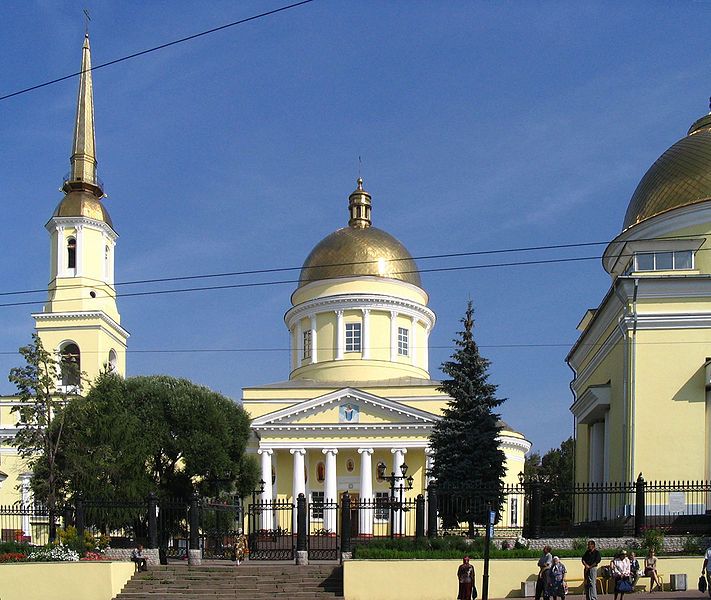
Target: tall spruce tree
(468,463)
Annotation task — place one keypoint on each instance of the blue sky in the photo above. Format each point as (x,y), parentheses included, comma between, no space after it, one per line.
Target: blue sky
(480,125)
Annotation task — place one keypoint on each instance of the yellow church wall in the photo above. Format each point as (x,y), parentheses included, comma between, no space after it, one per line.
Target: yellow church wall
(326,334)
(13,466)
(581,453)
(359,285)
(670,386)
(94,343)
(351,369)
(380,335)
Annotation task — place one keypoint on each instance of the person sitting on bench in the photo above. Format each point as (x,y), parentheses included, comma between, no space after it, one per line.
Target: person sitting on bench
(139,559)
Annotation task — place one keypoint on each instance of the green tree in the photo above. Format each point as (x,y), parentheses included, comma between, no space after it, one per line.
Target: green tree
(128,437)
(41,415)
(554,467)
(555,472)
(468,463)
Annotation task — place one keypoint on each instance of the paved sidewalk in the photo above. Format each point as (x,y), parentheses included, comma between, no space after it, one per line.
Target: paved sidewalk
(666,595)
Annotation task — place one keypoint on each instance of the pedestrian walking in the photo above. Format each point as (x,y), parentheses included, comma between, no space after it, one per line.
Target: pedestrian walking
(591,559)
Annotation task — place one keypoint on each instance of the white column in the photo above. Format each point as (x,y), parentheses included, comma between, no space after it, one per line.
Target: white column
(299,483)
(331,490)
(293,345)
(366,333)
(26,504)
(314,342)
(61,252)
(267,494)
(426,350)
(80,251)
(299,344)
(413,342)
(398,459)
(365,520)
(339,335)
(393,335)
(596,448)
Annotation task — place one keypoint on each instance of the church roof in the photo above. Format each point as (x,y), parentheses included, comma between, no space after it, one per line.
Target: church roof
(679,177)
(359,250)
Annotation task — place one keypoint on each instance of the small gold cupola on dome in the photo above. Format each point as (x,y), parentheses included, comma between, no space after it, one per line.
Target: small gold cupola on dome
(359,203)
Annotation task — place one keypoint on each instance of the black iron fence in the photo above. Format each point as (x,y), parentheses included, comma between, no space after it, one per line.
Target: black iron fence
(276,529)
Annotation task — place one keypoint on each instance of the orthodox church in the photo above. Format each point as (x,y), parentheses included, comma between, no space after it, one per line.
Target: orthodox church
(642,368)
(359,400)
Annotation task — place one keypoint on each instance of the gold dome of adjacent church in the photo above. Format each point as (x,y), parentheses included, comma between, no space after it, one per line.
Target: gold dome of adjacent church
(680,177)
(359,250)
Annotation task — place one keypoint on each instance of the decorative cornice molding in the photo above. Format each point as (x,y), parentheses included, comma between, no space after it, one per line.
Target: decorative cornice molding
(339,396)
(384,444)
(371,302)
(64,222)
(77,315)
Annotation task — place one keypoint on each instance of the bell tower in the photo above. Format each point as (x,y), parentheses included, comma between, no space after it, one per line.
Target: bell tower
(80,320)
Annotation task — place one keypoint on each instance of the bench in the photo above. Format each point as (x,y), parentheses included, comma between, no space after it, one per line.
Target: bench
(643,576)
(529,591)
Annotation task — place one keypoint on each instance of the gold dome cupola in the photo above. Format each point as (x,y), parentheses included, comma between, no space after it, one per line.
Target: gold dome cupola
(359,249)
(359,203)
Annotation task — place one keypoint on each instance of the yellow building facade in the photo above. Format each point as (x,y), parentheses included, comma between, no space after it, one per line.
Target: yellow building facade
(359,401)
(80,321)
(641,362)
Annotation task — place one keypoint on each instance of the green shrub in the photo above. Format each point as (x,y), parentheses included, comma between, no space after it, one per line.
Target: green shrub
(653,538)
(692,545)
(14,547)
(580,544)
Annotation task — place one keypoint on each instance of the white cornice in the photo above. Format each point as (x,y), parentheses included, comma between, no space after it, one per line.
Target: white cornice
(384,444)
(78,221)
(658,226)
(357,302)
(592,404)
(347,429)
(82,315)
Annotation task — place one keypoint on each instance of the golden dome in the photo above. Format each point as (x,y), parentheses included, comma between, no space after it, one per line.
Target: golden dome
(353,251)
(681,176)
(359,250)
(80,203)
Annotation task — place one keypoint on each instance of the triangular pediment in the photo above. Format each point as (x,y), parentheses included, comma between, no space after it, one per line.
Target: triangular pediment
(346,407)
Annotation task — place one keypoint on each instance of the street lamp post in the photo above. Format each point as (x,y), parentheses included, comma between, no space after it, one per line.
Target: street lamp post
(405,483)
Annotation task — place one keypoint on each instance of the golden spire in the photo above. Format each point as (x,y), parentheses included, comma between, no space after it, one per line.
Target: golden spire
(83,160)
(359,207)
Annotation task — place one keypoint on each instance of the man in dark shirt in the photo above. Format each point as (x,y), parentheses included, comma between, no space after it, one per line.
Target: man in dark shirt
(591,559)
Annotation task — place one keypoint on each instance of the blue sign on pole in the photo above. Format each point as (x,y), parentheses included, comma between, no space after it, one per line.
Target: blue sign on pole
(492,519)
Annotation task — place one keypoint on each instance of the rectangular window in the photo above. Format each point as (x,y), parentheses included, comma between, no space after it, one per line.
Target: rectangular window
(353,337)
(382,511)
(645,262)
(683,259)
(317,500)
(403,341)
(678,260)
(663,261)
(514,512)
(307,344)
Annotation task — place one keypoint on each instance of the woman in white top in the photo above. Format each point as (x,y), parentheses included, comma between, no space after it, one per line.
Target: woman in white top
(620,567)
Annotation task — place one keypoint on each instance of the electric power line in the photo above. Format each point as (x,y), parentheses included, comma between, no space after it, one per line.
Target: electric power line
(155,48)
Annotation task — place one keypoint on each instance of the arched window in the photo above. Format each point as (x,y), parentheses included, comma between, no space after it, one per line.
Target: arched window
(71,365)
(71,253)
(112,361)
